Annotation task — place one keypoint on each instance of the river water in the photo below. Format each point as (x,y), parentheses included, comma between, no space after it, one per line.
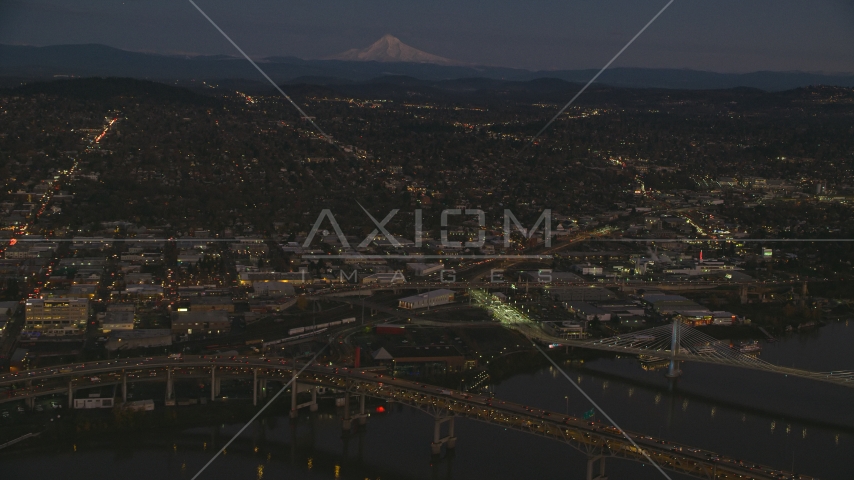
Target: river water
(781,421)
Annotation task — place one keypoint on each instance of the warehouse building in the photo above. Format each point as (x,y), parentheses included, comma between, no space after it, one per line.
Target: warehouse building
(130,339)
(210,322)
(424,300)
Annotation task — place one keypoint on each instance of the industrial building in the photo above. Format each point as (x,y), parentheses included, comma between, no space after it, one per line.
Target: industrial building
(273,289)
(425,360)
(669,304)
(424,269)
(582,294)
(42,314)
(117,320)
(388,278)
(564,329)
(429,299)
(207,304)
(588,312)
(210,322)
(126,340)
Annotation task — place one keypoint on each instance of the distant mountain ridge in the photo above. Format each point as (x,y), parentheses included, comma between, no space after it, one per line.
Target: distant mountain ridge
(390,49)
(42,63)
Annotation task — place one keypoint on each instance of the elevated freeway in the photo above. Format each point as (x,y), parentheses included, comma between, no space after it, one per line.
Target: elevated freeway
(599,442)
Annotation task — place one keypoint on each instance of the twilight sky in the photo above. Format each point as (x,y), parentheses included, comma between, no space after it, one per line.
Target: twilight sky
(717,35)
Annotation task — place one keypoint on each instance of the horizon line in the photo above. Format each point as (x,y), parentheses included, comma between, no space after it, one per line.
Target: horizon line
(193,55)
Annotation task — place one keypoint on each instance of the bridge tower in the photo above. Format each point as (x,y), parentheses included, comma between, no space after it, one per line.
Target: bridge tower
(673,370)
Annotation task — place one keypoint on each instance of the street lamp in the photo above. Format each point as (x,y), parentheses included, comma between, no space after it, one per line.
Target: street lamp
(566,397)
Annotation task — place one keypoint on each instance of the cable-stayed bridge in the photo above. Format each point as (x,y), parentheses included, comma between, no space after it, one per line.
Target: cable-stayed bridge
(675,342)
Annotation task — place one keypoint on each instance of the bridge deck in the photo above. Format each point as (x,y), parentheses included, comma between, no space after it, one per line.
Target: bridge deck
(592,438)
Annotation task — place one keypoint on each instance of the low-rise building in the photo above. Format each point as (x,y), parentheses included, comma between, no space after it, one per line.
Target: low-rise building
(588,312)
(384,278)
(424,360)
(210,322)
(296,278)
(669,304)
(273,289)
(723,318)
(428,299)
(582,294)
(587,269)
(424,269)
(208,304)
(117,320)
(130,339)
(42,314)
(564,329)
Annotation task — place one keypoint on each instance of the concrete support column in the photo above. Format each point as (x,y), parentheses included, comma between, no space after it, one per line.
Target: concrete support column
(294,392)
(363,418)
(169,387)
(218,386)
(452,440)
(591,467)
(345,422)
(436,446)
(254,386)
(313,407)
(213,382)
(70,395)
(31,403)
(124,387)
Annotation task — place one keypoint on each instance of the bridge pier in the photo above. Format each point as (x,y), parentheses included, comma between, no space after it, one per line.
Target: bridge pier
(254,387)
(31,403)
(70,395)
(169,384)
(313,406)
(213,382)
(346,423)
(591,467)
(450,441)
(294,392)
(124,387)
(363,417)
